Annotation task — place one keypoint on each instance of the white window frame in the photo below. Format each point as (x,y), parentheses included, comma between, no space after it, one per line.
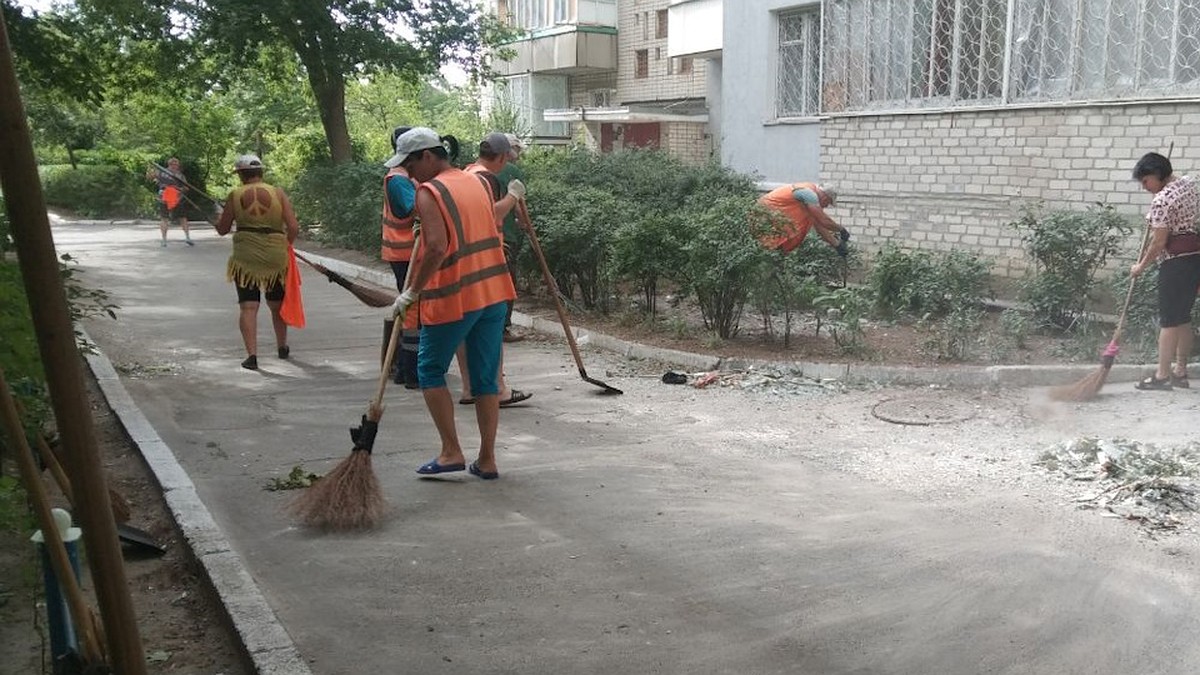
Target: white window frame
(808,45)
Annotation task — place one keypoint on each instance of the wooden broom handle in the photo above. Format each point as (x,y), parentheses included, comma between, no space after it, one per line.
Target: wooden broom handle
(394,340)
(551,285)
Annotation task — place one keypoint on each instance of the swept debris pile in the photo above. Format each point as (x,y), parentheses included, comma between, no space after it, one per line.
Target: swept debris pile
(1156,486)
(754,378)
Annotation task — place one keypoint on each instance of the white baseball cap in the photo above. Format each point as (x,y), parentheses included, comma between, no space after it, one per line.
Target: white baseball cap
(246,162)
(517,146)
(413,140)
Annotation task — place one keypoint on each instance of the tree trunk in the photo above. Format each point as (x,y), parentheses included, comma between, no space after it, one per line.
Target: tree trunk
(330,92)
(71,157)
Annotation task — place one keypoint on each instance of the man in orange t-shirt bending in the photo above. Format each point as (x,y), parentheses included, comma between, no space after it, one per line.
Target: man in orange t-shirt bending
(804,204)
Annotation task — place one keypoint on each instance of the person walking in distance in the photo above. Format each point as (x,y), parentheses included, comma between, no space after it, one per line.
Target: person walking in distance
(1175,245)
(463,285)
(494,153)
(171,187)
(258,265)
(803,205)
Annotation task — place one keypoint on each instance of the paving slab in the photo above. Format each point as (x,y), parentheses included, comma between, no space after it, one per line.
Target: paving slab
(670,530)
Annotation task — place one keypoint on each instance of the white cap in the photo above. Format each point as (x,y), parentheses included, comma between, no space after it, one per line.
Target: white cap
(245,162)
(517,146)
(829,192)
(413,140)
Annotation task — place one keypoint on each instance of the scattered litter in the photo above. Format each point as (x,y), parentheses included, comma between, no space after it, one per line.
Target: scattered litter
(706,379)
(672,377)
(1156,486)
(297,479)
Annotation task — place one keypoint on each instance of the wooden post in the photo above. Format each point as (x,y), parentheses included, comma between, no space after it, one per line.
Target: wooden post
(64,372)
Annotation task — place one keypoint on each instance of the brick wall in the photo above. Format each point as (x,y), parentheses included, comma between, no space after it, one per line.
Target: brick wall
(955,180)
(688,141)
(637,23)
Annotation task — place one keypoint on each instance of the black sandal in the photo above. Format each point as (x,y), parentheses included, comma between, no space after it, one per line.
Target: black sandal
(1180,381)
(1152,383)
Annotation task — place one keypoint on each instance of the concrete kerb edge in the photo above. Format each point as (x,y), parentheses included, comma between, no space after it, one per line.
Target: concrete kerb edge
(849,373)
(263,637)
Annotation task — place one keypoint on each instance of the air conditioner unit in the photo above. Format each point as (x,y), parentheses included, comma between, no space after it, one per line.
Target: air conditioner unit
(602,98)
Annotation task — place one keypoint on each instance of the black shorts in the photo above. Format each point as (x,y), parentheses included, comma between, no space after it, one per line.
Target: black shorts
(251,293)
(1178,279)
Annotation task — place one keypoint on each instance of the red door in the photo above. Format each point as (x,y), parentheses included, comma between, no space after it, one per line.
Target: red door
(645,135)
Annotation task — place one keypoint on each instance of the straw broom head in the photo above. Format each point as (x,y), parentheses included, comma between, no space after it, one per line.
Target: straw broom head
(347,498)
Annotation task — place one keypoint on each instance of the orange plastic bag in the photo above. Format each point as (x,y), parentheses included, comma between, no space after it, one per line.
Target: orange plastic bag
(292,311)
(171,196)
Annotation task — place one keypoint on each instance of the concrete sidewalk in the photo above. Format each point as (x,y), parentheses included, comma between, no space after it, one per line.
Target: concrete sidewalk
(666,531)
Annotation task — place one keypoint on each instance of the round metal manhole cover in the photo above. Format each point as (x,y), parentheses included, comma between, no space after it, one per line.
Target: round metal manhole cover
(924,410)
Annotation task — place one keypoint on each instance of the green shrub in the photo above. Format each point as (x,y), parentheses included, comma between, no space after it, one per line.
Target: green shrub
(1014,326)
(97,191)
(845,309)
(575,228)
(341,204)
(1068,249)
(792,282)
(954,336)
(647,249)
(724,263)
(921,283)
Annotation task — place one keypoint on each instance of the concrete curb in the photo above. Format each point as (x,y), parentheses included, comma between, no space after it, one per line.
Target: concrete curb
(264,638)
(850,373)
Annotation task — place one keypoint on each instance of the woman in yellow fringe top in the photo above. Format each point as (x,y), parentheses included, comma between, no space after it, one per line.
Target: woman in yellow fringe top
(265,226)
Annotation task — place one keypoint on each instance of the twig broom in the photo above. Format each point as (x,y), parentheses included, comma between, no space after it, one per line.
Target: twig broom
(349,497)
(1089,387)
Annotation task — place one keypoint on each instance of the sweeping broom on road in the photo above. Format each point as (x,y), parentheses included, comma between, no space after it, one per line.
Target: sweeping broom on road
(349,497)
(369,295)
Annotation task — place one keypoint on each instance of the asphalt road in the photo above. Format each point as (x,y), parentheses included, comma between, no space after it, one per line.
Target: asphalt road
(670,530)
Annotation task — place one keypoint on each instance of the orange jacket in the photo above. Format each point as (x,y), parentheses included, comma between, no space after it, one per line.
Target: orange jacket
(474,274)
(397,231)
(781,201)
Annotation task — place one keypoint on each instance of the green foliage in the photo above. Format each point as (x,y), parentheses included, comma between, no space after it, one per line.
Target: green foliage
(921,283)
(1068,249)
(342,204)
(792,282)
(954,337)
(723,262)
(97,191)
(1014,326)
(15,514)
(845,309)
(647,249)
(575,230)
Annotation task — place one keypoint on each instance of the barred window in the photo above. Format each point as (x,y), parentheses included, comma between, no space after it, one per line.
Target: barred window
(893,54)
(799,65)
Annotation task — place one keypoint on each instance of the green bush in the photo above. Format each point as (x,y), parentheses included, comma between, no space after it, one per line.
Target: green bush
(724,263)
(97,191)
(1068,249)
(341,205)
(647,249)
(792,282)
(921,283)
(575,228)
(845,309)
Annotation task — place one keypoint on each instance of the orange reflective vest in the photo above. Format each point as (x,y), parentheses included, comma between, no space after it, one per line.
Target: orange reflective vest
(397,231)
(492,183)
(782,201)
(474,274)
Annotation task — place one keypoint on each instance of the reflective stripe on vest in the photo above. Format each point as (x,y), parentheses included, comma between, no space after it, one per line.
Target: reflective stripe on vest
(474,274)
(397,232)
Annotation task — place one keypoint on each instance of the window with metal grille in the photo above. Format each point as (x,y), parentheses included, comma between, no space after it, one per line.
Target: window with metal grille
(799,64)
(685,65)
(891,54)
(641,67)
(660,24)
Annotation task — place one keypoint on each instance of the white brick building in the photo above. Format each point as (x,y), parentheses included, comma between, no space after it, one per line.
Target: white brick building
(599,71)
(939,119)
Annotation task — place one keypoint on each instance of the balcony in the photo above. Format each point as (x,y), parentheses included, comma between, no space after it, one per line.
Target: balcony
(696,27)
(563,50)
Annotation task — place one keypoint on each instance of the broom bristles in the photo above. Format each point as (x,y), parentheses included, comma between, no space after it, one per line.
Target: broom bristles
(347,498)
(1083,390)
(369,295)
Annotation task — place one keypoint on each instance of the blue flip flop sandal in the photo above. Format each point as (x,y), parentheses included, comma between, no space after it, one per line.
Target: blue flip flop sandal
(432,467)
(485,475)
